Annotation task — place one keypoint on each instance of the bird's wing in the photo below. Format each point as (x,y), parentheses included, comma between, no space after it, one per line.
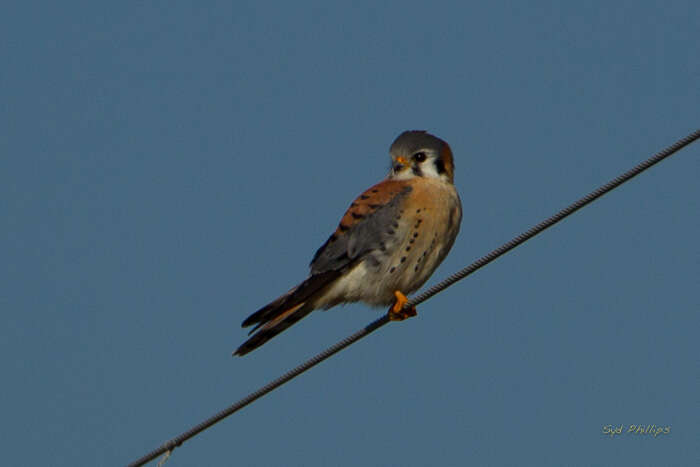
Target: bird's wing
(369,221)
(367,224)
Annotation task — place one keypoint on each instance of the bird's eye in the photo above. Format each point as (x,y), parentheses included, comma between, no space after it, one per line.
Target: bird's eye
(419,157)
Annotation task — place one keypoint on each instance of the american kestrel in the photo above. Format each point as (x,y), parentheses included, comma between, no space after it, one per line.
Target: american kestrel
(388,243)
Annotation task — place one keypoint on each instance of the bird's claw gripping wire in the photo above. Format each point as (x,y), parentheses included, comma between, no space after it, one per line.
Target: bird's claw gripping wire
(397,312)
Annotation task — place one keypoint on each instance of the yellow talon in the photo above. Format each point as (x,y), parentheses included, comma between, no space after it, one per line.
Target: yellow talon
(396,312)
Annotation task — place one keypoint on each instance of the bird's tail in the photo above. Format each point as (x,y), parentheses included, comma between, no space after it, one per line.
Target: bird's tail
(273,327)
(280,314)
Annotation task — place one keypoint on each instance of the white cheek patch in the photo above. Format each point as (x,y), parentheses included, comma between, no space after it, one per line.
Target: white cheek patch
(427,169)
(430,171)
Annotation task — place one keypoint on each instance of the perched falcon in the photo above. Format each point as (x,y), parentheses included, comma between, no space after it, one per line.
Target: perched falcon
(387,244)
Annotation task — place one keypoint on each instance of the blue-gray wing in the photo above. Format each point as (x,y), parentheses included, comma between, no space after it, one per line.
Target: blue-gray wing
(370,224)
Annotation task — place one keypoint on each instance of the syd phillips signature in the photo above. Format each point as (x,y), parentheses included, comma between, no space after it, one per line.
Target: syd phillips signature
(639,430)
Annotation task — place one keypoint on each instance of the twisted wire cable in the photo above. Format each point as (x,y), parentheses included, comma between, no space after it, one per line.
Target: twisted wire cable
(170,445)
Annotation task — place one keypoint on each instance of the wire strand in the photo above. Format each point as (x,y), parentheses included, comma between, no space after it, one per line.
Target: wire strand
(545,224)
(169,446)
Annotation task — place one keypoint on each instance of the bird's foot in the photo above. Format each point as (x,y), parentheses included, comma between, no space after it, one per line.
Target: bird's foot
(397,312)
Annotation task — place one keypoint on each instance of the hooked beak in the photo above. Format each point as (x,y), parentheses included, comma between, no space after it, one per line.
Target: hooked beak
(400,163)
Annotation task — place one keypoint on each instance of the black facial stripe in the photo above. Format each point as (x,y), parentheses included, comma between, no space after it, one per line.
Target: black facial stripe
(417,171)
(440,166)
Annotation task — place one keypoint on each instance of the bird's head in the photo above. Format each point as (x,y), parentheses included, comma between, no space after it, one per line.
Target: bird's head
(420,154)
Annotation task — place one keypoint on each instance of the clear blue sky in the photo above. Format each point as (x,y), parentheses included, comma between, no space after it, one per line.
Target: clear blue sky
(168,167)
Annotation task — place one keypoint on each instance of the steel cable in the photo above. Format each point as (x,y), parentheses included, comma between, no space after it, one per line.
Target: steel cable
(168,446)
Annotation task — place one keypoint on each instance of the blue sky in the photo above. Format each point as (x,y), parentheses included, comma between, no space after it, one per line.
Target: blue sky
(167,168)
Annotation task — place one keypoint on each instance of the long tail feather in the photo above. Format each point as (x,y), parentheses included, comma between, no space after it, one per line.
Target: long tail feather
(273,327)
(286,310)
